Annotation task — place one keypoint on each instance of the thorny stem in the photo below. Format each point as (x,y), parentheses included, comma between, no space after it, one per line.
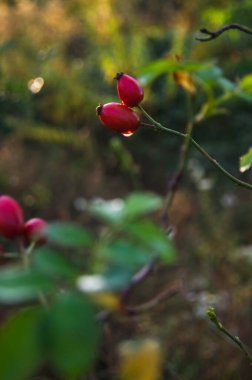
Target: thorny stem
(159,126)
(213,318)
(217,33)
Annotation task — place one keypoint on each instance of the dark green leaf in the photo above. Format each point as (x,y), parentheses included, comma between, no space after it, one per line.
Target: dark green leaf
(20,345)
(125,253)
(18,284)
(72,335)
(152,237)
(52,263)
(68,234)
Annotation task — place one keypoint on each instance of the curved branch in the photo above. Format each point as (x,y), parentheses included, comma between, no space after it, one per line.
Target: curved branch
(217,33)
(159,126)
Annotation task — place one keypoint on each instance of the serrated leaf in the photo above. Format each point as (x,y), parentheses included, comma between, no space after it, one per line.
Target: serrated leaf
(72,335)
(68,235)
(246,161)
(20,345)
(18,284)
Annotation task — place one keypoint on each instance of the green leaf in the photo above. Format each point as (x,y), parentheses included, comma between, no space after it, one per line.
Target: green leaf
(72,335)
(68,235)
(138,204)
(18,284)
(164,66)
(125,254)
(112,280)
(111,211)
(153,238)
(20,345)
(246,161)
(117,210)
(53,264)
(246,83)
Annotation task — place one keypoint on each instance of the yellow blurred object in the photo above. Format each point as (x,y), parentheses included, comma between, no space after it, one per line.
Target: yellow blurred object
(107,300)
(183,79)
(140,360)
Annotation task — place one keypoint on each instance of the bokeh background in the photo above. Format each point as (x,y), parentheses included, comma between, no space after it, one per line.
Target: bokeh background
(57,62)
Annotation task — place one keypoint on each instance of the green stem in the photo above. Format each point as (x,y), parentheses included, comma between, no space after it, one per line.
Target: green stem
(235,339)
(200,149)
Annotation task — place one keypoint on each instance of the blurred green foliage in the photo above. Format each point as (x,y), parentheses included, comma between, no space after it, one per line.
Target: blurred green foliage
(57,62)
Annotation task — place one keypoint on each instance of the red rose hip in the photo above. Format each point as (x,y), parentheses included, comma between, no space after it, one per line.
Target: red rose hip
(34,231)
(11,217)
(119,117)
(129,90)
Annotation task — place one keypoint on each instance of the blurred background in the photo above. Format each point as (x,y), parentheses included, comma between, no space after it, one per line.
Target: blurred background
(57,63)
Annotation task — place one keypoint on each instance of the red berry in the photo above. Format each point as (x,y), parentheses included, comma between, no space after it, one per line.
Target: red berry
(129,90)
(11,217)
(34,231)
(119,117)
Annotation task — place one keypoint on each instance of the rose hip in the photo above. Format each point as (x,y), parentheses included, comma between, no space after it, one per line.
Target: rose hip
(11,217)
(129,90)
(119,117)
(34,231)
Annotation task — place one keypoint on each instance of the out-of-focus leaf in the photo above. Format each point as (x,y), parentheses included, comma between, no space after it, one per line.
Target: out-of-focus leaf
(246,161)
(184,79)
(211,73)
(72,335)
(107,300)
(125,253)
(20,345)
(226,84)
(110,211)
(140,360)
(138,204)
(152,238)
(118,210)
(163,66)
(113,280)
(52,263)
(246,83)
(68,235)
(18,284)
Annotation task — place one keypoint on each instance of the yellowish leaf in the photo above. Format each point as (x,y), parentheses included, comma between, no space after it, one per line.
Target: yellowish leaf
(183,79)
(140,360)
(108,300)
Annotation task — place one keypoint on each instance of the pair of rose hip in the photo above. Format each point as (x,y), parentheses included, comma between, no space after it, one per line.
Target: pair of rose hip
(13,226)
(119,116)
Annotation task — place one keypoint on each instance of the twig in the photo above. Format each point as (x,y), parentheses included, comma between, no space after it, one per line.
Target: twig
(164,295)
(138,277)
(235,339)
(217,33)
(200,149)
